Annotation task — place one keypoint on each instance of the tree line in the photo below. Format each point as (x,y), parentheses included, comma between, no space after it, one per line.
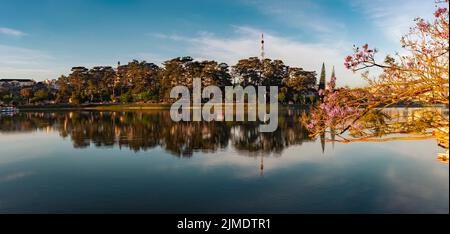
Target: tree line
(140,81)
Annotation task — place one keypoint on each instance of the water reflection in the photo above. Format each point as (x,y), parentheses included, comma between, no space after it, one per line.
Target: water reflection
(146,130)
(40,172)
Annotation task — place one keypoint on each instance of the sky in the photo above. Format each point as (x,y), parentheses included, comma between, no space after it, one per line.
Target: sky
(44,39)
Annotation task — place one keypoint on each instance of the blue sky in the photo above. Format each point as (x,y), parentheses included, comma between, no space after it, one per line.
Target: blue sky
(44,39)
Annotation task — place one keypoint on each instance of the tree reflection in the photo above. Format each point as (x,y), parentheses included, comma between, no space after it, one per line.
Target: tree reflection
(144,130)
(140,131)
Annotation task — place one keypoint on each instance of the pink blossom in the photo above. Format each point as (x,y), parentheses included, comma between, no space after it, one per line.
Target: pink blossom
(365,58)
(422,25)
(440,11)
(426,51)
(409,63)
(348,59)
(359,55)
(321,92)
(366,47)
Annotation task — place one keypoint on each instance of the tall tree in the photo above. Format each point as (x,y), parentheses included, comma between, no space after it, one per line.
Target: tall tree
(179,71)
(64,90)
(322,78)
(248,71)
(78,79)
(213,73)
(333,73)
(273,72)
(333,77)
(300,80)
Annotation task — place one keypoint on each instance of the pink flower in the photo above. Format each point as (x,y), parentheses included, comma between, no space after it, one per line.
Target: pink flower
(426,51)
(321,92)
(422,25)
(359,55)
(440,11)
(366,47)
(410,64)
(348,59)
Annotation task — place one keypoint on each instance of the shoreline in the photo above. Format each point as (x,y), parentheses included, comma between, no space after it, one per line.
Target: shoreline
(160,106)
(118,107)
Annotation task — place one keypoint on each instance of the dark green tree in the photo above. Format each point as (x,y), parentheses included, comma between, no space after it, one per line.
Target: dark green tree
(248,71)
(322,78)
(64,90)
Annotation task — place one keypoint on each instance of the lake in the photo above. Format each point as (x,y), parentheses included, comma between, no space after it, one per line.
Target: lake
(142,162)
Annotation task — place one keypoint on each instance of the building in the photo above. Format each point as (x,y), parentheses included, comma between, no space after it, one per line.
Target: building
(51,83)
(17,82)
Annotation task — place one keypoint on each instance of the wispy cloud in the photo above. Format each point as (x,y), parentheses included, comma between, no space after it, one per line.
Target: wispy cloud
(18,62)
(245,43)
(12,32)
(30,73)
(303,15)
(394,18)
(12,55)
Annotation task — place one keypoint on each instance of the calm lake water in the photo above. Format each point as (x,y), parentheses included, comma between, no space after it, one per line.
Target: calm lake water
(142,162)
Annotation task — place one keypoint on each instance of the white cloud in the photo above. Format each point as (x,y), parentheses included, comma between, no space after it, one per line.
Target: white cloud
(12,32)
(394,18)
(245,43)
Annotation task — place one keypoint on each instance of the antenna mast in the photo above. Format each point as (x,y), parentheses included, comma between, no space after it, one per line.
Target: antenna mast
(262,47)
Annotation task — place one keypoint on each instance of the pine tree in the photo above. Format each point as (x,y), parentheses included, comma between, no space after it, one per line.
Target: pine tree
(322,78)
(333,74)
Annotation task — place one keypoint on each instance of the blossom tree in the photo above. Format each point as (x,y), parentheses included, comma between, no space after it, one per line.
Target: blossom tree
(421,75)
